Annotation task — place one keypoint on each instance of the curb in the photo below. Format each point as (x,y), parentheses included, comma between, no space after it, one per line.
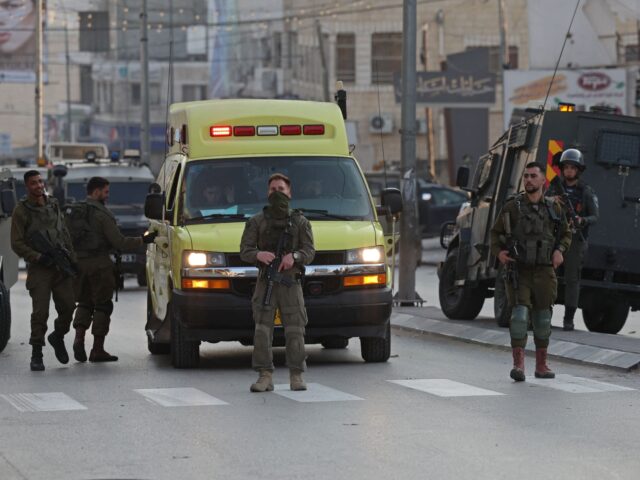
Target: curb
(578,352)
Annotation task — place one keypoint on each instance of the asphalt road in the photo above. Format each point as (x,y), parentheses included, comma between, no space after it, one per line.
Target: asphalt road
(437,409)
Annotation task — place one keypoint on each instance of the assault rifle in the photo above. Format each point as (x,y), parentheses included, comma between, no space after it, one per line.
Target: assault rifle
(571,213)
(271,273)
(512,247)
(59,255)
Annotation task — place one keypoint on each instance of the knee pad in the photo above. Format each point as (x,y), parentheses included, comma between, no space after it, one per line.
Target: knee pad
(106,308)
(541,320)
(519,322)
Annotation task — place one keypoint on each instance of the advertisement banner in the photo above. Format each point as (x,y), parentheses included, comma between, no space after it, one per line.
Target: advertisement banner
(585,88)
(17,41)
(451,88)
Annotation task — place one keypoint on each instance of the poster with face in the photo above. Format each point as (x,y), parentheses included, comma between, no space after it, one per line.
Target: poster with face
(17,40)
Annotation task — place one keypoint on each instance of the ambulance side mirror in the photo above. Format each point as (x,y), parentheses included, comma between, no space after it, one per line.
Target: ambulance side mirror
(391,199)
(153,205)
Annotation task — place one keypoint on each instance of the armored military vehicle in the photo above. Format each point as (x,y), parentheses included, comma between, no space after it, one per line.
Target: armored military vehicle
(129,184)
(8,259)
(610,284)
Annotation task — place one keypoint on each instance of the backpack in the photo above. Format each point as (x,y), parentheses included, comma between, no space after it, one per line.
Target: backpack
(78,218)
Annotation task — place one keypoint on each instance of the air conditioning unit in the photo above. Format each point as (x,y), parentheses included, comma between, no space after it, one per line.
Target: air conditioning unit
(421,126)
(381,123)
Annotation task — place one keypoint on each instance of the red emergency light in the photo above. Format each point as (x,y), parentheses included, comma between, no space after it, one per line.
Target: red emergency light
(290,130)
(313,129)
(244,131)
(220,131)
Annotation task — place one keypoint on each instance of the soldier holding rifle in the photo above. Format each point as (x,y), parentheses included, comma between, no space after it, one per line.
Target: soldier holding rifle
(280,241)
(538,230)
(39,235)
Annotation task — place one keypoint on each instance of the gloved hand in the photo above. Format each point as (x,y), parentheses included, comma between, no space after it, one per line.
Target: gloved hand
(149,237)
(45,260)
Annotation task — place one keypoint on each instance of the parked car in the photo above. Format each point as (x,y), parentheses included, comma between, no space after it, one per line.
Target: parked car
(437,203)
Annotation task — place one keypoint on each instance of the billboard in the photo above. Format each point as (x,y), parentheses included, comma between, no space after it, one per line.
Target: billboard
(451,88)
(17,41)
(585,88)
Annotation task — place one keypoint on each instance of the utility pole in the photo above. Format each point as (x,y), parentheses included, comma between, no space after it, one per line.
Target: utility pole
(67,135)
(323,59)
(431,155)
(145,143)
(39,91)
(409,240)
(504,49)
(171,83)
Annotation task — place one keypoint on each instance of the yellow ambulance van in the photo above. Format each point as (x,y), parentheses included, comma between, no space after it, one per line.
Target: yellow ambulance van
(214,178)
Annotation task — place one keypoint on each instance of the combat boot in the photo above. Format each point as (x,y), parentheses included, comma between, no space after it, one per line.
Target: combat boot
(295,380)
(567,321)
(542,369)
(517,372)
(57,342)
(79,352)
(264,382)
(36,358)
(98,353)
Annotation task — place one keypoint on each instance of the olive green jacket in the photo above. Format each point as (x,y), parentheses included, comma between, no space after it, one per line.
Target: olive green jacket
(301,237)
(29,216)
(106,228)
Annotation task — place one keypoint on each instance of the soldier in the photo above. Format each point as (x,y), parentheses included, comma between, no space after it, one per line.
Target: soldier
(278,225)
(582,211)
(38,216)
(541,236)
(96,282)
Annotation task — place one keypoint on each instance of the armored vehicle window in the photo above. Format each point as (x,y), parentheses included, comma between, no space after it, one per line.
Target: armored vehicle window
(619,149)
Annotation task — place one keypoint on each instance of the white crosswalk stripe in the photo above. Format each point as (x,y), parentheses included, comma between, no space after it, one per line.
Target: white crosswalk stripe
(179,397)
(443,387)
(571,384)
(315,393)
(43,402)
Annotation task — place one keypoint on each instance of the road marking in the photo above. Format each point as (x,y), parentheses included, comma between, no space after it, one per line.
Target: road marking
(571,384)
(445,388)
(179,397)
(43,402)
(314,393)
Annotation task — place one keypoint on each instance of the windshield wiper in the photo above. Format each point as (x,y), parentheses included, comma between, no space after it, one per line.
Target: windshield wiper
(324,213)
(231,216)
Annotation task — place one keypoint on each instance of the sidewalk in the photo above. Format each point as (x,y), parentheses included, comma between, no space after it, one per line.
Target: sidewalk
(612,351)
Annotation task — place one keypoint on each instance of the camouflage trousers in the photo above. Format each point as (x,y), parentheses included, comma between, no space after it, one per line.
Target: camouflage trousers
(94,288)
(42,284)
(290,302)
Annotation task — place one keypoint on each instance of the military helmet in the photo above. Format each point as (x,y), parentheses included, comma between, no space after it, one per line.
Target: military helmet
(572,156)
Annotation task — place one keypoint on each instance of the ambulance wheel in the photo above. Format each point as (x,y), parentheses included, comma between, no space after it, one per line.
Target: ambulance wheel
(335,343)
(376,349)
(501,307)
(5,316)
(184,353)
(458,303)
(606,317)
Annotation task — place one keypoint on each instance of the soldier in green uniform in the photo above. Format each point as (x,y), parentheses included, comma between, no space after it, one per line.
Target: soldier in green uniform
(278,224)
(537,227)
(39,214)
(96,281)
(582,210)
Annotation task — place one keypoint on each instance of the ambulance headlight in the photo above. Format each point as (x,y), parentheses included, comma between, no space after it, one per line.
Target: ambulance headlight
(203,259)
(365,255)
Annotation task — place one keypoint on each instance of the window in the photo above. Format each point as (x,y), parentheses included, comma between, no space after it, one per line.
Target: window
(94,31)
(619,149)
(346,57)
(86,85)
(631,53)
(191,93)
(136,94)
(386,57)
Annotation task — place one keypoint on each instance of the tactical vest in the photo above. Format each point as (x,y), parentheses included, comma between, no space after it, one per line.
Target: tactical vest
(271,229)
(47,219)
(535,231)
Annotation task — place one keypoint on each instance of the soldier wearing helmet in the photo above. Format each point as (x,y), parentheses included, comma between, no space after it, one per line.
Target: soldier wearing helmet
(582,213)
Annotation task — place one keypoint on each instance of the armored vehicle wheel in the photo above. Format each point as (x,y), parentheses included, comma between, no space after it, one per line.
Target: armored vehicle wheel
(184,353)
(606,317)
(335,343)
(458,303)
(374,349)
(142,279)
(5,316)
(501,307)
